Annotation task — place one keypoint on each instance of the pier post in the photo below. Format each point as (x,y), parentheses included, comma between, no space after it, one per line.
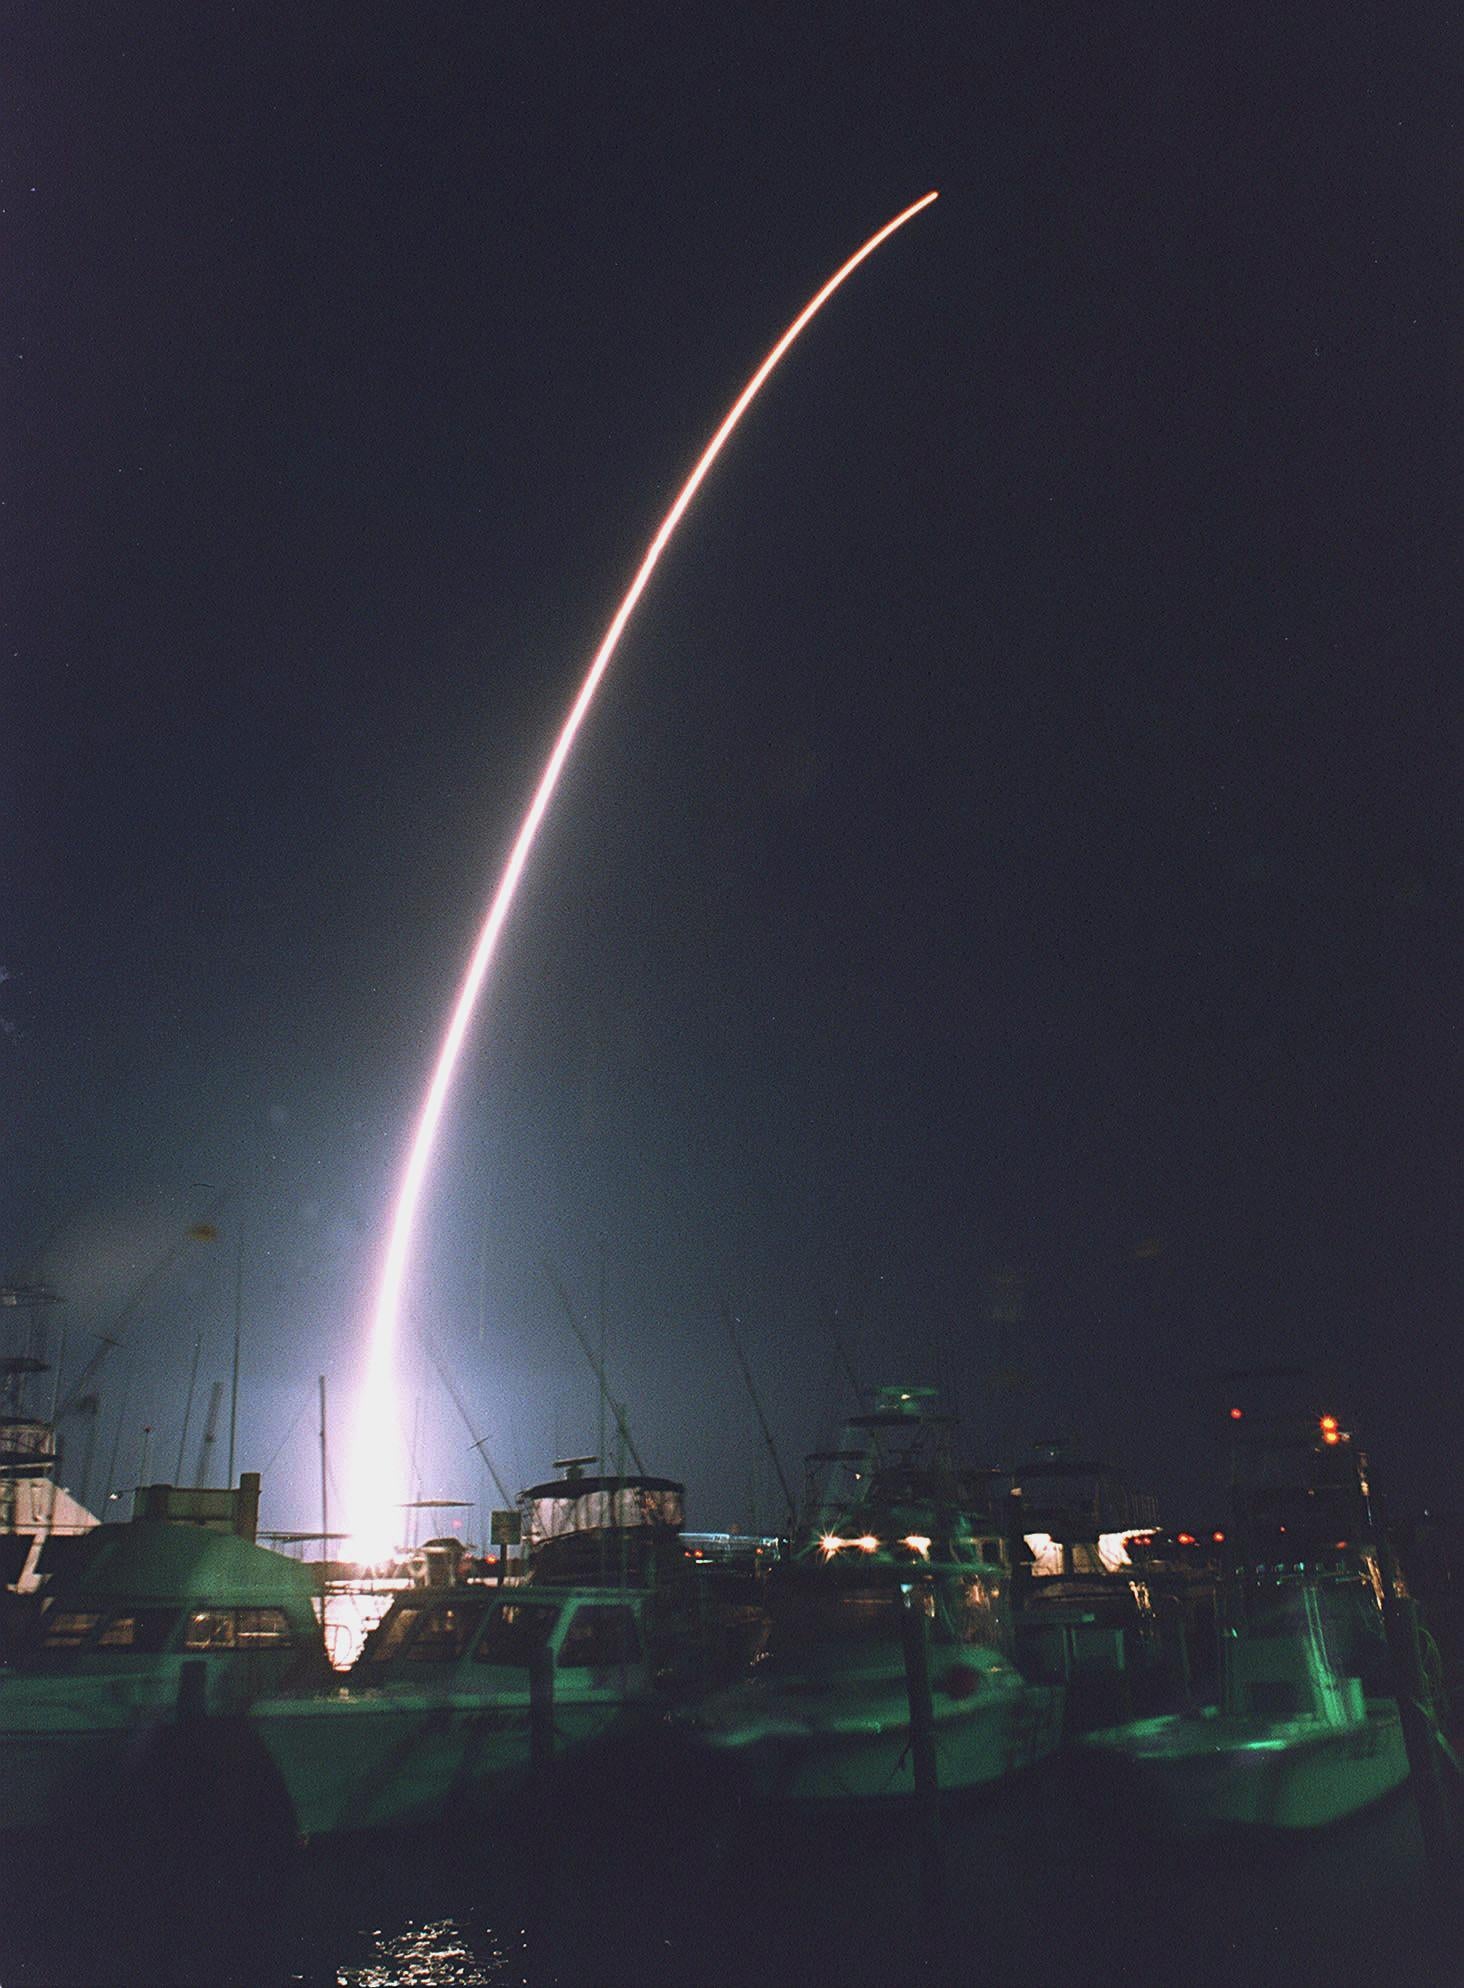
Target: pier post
(1019,1572)
(915,1635)
(1421,1738)
(192,1692)
(541,1708)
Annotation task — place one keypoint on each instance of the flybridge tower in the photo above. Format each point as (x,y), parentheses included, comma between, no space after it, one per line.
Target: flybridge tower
(33,1506)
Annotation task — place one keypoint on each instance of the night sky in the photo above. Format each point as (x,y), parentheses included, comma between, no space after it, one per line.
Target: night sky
(1002,918)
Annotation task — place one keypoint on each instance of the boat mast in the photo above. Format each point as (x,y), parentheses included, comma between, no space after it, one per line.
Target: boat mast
(324,1497)
(188,1405)
(762,1420)
(607,1399)
(210,1435)
(238,1331)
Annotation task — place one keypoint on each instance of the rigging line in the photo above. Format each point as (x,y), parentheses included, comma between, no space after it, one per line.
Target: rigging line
(480,1443)
(607,1399)
(762,1420)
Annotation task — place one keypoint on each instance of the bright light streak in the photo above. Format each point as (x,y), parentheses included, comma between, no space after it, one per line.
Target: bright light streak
(918,1542)
(377,1473)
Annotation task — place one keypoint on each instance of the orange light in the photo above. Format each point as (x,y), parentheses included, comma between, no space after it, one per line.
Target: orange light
(1237,1414)
(1218,1537)
(1186,1538)
(1331,1429)
(1343,1544)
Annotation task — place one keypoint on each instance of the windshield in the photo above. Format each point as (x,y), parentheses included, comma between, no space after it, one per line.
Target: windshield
(141,1631)
(515,1631)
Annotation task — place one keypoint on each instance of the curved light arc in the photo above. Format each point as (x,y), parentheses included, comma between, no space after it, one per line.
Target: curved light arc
(374,1504)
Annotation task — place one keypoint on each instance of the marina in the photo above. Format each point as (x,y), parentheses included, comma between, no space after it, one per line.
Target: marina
(729,1104)
(664,1892)
(636,1754)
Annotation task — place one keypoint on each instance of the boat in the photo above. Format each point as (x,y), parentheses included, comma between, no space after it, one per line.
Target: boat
(1293,1744)
(1305,1730)
(40,1519)
(886,1580)
(1095,1607)
(463,1693)
(172,1620)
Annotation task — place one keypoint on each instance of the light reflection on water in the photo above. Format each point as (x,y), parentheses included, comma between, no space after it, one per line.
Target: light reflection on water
(439,1953)
(647,1885)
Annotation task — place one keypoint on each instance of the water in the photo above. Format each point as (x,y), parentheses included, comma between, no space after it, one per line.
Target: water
(652,1880)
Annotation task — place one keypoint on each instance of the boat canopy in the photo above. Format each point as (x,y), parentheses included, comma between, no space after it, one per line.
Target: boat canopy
(596,1504)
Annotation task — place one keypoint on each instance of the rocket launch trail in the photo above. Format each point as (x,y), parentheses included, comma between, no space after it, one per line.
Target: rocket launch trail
(376,1485)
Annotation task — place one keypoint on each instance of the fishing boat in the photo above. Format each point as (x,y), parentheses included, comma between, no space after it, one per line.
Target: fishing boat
(1294,1743)
(889,1600)
(1104,1602)
(40,1520)
(461,1693)
(163,1622)
(1305,1729)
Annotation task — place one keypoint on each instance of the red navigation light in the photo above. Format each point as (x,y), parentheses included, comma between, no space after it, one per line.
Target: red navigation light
(1218,1537)
(1343,1544)
(1331,1429)
(1185,1538)
(1237,1414)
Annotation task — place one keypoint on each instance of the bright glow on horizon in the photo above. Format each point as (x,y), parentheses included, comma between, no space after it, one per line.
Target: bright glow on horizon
(377,1468)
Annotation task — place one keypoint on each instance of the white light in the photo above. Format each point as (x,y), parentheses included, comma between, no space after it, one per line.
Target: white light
(378,1462)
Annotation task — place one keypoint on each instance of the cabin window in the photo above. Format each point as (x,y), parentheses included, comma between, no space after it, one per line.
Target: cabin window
(599,1637)
(514,1632)
(443,1636)
(262,1629)
(145,1630)
(386,1642)
(68,1628)
(237,1629)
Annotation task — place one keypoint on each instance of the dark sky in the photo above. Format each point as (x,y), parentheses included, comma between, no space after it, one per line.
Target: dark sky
(1003,916)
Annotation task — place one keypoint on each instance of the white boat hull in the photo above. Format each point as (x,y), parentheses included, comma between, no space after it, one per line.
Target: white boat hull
(68,1743)
(1195,1776)
(392,1760)
(849,1740)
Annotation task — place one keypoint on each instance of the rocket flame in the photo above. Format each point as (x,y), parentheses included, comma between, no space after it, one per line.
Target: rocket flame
(377,1473)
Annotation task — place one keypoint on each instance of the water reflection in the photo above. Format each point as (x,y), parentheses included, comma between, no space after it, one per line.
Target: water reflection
(438,1953)
(644,1888)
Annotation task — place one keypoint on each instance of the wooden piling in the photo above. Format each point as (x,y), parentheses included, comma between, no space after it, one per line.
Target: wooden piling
(915,1635)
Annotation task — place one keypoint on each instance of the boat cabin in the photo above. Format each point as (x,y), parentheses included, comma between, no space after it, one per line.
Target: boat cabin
(422,1635)
(146,1597)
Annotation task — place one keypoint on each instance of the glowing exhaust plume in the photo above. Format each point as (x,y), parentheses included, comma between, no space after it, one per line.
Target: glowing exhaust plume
(374,1501)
